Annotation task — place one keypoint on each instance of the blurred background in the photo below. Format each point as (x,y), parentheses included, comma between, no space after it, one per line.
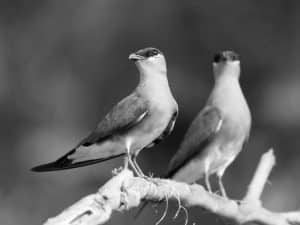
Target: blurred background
(64,64)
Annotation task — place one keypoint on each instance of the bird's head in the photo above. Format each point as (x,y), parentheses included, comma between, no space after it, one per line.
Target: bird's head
(226,63)
(149,59)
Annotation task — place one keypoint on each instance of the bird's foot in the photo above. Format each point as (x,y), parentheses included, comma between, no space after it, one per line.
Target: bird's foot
(220,194)
(152,179)
(208,188)
(224,195)
(137,172)
(144,176)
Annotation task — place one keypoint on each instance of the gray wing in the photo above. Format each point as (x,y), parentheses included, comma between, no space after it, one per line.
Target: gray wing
(127,113)
(122,117)
(167,131)
(199,134)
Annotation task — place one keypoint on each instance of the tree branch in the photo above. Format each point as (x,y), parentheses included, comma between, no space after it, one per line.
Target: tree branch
(260,177)
(125,191)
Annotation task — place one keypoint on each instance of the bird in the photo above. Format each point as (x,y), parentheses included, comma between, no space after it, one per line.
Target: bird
(139,121)
(218,133)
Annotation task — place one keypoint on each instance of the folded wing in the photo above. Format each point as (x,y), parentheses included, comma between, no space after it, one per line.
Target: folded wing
(202,130)
(125,115)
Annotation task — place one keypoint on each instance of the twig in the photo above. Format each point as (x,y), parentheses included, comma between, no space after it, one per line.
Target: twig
(260,177)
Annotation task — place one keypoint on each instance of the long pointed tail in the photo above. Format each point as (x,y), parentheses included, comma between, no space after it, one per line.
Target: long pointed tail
(65,162)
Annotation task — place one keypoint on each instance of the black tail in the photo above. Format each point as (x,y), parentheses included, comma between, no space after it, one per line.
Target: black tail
(64,163)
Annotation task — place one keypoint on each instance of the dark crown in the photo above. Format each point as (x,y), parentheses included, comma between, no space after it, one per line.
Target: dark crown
(226,56)
(148,52)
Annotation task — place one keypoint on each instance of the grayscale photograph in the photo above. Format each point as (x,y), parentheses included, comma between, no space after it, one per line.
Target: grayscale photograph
(149,112)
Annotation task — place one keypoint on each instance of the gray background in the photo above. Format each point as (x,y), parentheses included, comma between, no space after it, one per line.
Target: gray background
(63,64)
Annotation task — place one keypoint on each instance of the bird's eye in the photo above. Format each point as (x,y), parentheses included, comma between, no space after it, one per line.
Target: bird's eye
(235,57)
(152,53)
(217,58)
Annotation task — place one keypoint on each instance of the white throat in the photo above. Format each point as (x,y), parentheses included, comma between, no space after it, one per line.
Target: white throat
(227,93)
(154,84)
(226,69)
(152,75)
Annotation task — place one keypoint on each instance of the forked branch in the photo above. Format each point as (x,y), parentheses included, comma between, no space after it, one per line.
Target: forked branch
(124,191)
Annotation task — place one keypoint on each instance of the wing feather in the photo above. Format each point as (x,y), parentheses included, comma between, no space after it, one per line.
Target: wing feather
(127,113)
(199,134)
(122,117)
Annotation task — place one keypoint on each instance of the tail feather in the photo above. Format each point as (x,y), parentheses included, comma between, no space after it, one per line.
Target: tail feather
(65,162)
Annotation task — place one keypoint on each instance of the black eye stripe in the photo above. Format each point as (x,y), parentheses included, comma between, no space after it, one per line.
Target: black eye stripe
(151,53)
(148,52)
(218,57)
(226,56)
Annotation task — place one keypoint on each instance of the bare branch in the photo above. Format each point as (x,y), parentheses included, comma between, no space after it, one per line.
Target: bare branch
(292,217)
(260,177)
(124,191)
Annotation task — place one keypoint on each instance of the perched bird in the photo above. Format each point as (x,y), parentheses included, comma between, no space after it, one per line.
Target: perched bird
(217,134)
(141,120)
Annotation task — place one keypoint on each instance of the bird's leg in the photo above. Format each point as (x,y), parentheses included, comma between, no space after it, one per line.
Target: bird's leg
(130,162)
(207,184)
(221,186)
(133,166)
(206,177)
(126,162)
(137,166)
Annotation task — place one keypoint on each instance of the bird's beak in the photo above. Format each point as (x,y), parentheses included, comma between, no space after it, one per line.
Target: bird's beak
(135,57)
